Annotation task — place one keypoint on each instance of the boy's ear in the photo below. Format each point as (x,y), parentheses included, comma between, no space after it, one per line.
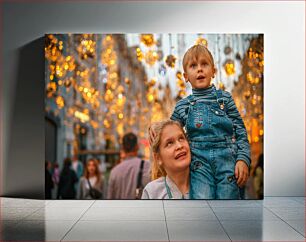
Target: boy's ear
(186,77)
(215,72)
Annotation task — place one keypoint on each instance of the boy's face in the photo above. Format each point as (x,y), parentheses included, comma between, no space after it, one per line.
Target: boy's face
(199,72)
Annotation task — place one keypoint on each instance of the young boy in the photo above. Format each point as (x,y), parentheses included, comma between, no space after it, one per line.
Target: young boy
(218,138)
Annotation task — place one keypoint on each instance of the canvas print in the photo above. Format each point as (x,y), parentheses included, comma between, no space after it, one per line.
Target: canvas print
(154,116)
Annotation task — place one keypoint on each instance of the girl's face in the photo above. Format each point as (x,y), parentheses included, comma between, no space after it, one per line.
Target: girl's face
(91,168)
(174,152)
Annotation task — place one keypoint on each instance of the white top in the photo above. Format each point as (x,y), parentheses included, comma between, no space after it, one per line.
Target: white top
(92,181)
(157,190)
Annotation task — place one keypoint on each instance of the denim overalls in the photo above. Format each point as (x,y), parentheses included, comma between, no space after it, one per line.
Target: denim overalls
(213,150)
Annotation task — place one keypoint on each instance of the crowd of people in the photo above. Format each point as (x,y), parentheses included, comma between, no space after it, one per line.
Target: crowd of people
(74,181)
(78,181)
(201,152)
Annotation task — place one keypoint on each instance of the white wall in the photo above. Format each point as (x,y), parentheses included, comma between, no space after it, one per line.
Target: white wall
(283,25)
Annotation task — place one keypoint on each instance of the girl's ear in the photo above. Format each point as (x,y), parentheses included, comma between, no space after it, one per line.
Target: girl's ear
(186,77)
(157,158)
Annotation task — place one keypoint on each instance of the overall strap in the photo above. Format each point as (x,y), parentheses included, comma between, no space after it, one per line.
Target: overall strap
(220,98)
(191,101)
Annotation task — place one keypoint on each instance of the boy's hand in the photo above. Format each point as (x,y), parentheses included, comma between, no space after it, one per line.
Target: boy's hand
(241,173)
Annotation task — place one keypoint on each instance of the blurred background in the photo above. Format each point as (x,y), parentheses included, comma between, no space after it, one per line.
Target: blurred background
(101,86)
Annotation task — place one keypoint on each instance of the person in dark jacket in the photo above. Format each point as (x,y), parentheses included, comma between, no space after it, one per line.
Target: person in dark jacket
(68,178)
(48,181)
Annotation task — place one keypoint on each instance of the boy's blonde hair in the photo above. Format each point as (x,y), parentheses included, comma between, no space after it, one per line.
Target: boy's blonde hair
(194,53)
(158,127)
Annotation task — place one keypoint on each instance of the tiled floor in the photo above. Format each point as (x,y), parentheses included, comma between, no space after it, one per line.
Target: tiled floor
(273,219)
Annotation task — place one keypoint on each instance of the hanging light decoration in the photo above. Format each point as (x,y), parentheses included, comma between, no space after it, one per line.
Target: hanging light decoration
(229,67)
(109,96)
(60,102)
(52,48)
(147,39)
(202,41)
(152,82)
(227,50)
(87,46)
(151,57)
(170,61)
(70,63)
(68,82)
(82,116)
(179,75)
(106,123)
(151,95)
(127,81)
(157,111)
(250,85)
(51,89)
(139,54)
(59,66)
(180,84)
(221,85)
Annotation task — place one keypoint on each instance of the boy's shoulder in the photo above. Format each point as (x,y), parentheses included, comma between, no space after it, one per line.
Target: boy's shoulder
(226,94)
(183,101)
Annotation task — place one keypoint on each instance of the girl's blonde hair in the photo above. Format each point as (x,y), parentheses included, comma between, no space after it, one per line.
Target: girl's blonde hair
(157,128)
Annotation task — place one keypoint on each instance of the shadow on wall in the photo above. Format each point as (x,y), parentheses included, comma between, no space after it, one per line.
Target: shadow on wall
(26,136)
(28,231)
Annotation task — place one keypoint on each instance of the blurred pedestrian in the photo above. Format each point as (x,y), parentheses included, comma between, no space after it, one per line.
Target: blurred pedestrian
(48,180)
(129,177)
(56,173)
(68,179)
(78,168)
(91,184)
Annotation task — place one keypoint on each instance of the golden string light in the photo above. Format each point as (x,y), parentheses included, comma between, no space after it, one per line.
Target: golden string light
(72,69)
(202,41)
(87,46)
(180,84)
(151,57)
(83,116)
(250,103)
(60,102)
(170,61)
(229,67)
(147,39)
(139,54)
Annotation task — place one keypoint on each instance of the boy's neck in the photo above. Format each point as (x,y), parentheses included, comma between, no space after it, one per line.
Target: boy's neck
(202,91)
(199,89)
